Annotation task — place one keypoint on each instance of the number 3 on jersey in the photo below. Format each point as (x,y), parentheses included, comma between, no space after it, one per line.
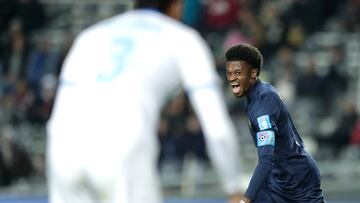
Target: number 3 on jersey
(122,48)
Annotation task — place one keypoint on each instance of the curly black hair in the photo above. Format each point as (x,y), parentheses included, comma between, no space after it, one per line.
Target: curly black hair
(246,52)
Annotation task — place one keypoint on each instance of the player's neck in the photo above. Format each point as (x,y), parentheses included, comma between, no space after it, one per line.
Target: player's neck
(253,84)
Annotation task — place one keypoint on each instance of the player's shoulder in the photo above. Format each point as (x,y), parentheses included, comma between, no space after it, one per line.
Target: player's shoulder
(88,34)
(267,99)
(268,92)
(267,102)
(182,30)
(166,23)
(103,26)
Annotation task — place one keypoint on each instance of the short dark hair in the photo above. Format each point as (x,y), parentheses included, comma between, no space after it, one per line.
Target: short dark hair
(246,52)
(161,5)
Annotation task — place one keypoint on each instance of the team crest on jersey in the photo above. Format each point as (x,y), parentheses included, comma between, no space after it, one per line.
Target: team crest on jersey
(265,138)
(264,122)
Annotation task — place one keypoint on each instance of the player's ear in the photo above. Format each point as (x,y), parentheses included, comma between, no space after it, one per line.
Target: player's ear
(254,73)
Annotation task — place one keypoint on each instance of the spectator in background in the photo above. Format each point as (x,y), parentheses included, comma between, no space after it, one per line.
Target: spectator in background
(340,138)
(14,102)
(355,135)
(180,134)
(19,95)
(167,152)
(250,26)
(295,34)
(350,15)
(42,60)
(32,15)
(15,162)
(284,76)
(40,103)
(193,10)
(312,14)
(173,129)
(29,15)
(192,141)
(273,26)
(219,15)
(8,108)
(16,56)
(310,93)
(335,81)
(309,83)
(7,10)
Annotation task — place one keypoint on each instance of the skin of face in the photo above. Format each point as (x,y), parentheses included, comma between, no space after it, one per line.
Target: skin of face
(240,76)
(175,10)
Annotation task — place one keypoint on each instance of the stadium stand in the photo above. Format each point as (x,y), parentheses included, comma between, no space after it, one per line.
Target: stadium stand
(312,55)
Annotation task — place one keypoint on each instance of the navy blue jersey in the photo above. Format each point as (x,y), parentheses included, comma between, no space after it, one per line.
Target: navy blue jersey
(285,170)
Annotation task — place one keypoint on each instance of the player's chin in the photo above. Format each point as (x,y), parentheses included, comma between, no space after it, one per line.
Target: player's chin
(239,94)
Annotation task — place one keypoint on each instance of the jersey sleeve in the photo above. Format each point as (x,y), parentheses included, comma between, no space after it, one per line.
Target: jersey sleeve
(265,119)
(76,60)
(202,85)
(196,63)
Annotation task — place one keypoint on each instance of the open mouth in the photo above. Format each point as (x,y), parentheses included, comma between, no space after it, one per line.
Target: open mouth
(236,88)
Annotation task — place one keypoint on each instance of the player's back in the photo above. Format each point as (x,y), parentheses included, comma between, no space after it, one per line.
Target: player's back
(122,70)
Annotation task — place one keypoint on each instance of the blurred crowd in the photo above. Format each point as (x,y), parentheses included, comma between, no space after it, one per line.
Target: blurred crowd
(311,55)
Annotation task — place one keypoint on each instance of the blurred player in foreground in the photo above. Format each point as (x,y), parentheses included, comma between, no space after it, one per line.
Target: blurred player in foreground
(119,73)
(285,171)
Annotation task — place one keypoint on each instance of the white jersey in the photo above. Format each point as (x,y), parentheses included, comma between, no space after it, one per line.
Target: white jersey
(114,82)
